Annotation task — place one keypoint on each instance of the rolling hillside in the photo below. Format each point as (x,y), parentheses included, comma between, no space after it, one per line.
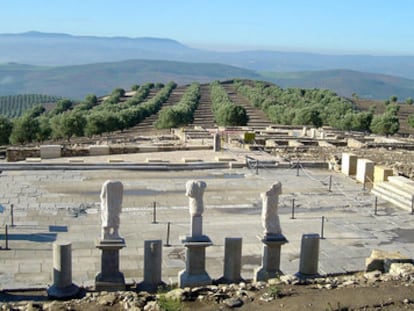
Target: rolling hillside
(101,78)
(347,82)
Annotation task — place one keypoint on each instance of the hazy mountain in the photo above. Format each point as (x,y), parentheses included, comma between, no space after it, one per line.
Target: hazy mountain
(61,49)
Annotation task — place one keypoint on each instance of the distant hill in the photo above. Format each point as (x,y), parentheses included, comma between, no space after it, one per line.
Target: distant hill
(48,49)
(102,78)
(346,82)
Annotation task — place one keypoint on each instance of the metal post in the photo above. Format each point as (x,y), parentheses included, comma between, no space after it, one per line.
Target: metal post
(363,185)
(293,209)
(257,167)
(7,237)
(412,205)
(297,168)
(376,206)
(168,235)
(322,227)
(12,214)
(154,213)
(330,183)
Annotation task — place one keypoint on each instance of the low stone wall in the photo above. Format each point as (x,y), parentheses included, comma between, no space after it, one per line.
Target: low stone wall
(15,154)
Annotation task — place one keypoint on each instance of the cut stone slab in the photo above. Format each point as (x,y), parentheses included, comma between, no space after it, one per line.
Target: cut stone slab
(115,160)
(33,160)
(190,160)
(76,160)
(98,150)
(148,160)
(224,159)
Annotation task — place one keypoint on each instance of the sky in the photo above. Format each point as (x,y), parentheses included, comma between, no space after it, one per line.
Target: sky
(376,27)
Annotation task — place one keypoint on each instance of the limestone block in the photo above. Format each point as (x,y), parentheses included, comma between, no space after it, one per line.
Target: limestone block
(365,170)
(97,150)
(382,173)
(377,259)
(50,151)
(354,143)
(349,164)
(294,143)
(401,269)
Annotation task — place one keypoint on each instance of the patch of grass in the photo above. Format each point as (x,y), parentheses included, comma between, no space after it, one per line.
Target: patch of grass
(169,304)
(274,292)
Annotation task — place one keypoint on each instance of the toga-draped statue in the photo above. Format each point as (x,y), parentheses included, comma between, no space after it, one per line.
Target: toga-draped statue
(111,205)
(195,191)
(270,216)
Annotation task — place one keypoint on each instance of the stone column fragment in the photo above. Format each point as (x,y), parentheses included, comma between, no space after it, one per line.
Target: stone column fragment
(152,266)
(232,261)
(62,272)
(309,255)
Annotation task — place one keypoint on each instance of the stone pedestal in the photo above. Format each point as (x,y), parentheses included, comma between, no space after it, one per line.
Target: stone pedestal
(382,173)
(195,273)
(152,266)
(110,278)
(62,272)
(349,164)
(196,226)
(232,261)
(270,267)
(217,142)
(309,256)
(365,171)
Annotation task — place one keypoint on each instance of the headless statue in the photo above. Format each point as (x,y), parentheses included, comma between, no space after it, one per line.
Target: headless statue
(270,216)
(111,205)
(195,191)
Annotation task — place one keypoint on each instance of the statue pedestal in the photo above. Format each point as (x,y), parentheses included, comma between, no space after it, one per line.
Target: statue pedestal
(195,273)
(270,267)
(110,278)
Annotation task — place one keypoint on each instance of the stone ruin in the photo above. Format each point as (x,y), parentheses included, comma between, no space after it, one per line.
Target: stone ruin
(110,278)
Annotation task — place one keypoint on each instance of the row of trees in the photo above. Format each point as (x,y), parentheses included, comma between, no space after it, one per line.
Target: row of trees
(87,118)
(181,113)
(224,110)
(13,106)
(315,107)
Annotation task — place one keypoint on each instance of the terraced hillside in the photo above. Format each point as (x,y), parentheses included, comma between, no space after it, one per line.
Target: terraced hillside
(122,118)
(257,118)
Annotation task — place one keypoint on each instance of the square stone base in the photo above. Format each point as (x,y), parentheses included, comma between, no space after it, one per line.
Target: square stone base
(192,280)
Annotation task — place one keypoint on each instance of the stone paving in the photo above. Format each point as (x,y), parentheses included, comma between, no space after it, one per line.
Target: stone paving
(64,205)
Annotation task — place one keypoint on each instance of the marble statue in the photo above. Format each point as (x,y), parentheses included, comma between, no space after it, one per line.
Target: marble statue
(195,190)
(270,217)
(111,204)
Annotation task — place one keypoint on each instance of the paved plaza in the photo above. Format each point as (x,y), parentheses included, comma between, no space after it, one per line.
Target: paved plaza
(64,205)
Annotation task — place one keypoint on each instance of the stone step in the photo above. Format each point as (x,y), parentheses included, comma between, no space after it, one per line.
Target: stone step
(393,200)
(398,190)
(393,193)
(402,182)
